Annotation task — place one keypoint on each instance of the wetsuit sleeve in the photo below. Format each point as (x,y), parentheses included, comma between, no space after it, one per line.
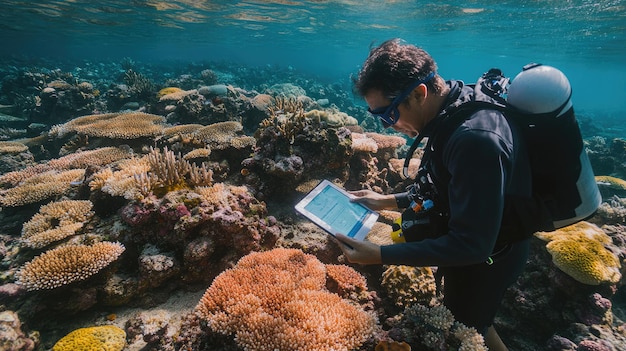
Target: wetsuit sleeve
(478,157)
(402,199)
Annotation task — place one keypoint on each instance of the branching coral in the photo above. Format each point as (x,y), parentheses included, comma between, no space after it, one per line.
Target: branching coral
(104,337)
(276,300)
(218,135)
(158,172)
(122,125)
(436,329)
(67,264)
(56,221)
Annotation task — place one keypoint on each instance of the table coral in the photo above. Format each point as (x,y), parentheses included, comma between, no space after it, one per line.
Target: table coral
(67,264)
(104,338)
(12,147)
(276,300)
(121,125)
(40,187)
(56,221)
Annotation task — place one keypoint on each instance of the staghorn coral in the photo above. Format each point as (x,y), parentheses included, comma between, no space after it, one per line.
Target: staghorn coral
(12,147)
(409,285)
(40,187)
(56,221)
(121,125)
(67,264)
(126,181)
(104,337)
(579,250)
(276,300)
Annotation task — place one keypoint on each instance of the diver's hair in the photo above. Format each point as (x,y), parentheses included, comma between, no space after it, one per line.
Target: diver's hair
(393,66)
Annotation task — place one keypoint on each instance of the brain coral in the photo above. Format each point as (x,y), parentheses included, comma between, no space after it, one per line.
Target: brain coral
(67,264)
(579,250)
(276,300)
(103,338)
(121,125)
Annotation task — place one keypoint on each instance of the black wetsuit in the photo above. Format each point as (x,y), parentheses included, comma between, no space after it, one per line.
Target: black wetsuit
(485,162)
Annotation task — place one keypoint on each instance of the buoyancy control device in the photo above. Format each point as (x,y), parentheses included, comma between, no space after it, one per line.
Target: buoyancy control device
(538,100)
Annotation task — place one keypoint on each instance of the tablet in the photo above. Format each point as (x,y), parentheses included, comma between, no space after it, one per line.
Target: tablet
(329,207)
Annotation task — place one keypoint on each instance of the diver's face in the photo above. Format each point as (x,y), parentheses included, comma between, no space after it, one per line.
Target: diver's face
(398,115)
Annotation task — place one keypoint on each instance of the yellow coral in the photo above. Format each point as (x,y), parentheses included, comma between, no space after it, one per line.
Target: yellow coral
(67,264)
(168,90)
(177,95)
(100,338)
(580,230)
(12,147)
(121,125)
(612,182)
(585,260)
(40,187)
(276,300)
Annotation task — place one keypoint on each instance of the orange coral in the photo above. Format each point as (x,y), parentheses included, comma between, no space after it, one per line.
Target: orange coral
(67,264)
(276,300)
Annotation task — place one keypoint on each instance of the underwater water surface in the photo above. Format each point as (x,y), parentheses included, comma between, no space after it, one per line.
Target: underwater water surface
(584,38)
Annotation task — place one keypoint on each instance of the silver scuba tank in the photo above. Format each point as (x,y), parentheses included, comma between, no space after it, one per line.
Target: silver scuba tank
(561,171)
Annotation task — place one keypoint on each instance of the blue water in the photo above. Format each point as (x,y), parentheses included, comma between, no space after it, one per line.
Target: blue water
(585,39)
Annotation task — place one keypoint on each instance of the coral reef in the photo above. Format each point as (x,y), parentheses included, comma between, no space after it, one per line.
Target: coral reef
(579,251)
(105,337)
(56,221)
(276,300)
(435,329)
(67,264)
(406,286)
(11,335)
(40,187)
(126,125)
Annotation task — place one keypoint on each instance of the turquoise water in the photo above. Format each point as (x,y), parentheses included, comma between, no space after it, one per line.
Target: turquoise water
(585,39)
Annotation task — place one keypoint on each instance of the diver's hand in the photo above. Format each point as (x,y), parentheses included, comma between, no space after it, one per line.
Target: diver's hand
(373,200)
(357,251)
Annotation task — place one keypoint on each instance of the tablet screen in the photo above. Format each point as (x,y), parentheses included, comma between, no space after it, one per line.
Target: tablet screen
(329,207)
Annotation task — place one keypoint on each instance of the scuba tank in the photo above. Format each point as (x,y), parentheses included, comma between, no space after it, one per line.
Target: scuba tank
(562,175)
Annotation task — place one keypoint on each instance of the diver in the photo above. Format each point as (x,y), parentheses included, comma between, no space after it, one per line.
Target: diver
(459,191)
